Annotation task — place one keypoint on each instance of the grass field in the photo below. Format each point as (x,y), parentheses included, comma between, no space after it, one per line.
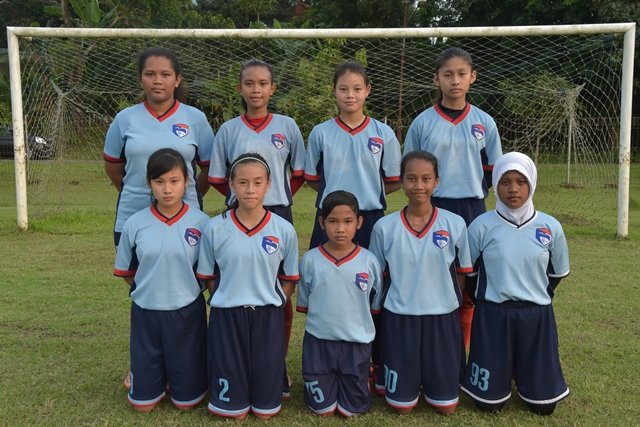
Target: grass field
(64,320)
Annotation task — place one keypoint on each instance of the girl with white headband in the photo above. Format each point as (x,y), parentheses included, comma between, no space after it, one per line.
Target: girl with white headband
(249,259)
(519,255)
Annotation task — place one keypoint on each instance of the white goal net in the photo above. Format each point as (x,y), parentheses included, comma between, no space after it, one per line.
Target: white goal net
(556,97)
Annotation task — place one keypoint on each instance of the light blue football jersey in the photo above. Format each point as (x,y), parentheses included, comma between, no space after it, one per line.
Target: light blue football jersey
(515,263)
(277,139)
(249,262)
(137,132)
(161,255)
(355,160)
(336,294)
(458,145)
(422,265)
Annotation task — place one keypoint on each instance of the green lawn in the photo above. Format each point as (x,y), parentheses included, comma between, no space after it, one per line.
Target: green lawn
(64,319)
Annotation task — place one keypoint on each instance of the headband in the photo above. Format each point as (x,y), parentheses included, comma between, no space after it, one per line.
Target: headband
(249,158)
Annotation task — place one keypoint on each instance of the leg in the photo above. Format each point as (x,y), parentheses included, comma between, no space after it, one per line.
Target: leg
(320,374)
(354,396)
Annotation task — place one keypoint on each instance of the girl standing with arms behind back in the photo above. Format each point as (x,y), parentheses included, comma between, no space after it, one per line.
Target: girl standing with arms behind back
(161,120)
(353,152)
(249,257)
(466,143)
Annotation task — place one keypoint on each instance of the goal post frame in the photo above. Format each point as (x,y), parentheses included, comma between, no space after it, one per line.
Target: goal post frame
(626,89)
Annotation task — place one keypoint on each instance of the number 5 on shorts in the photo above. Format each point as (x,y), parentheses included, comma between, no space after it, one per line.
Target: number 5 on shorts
(314,390)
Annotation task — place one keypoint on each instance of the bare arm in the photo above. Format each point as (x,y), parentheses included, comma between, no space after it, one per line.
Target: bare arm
(390,187)
(115,172)
(129,280)
(203,180)
(462,280)
(288,287)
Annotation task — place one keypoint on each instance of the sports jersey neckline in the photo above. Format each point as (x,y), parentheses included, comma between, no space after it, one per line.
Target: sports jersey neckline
(257,128)
(338,262)
(173,219)
(356,130)
(164,116)
(419,234)
(444,115)
(251,232)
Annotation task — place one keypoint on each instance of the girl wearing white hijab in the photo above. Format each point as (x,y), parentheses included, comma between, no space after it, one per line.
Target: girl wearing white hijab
(519,256)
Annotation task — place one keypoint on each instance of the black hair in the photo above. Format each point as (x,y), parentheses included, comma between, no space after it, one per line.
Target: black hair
(447,54)
(418,155)
(163,161)
(249,158)
(180,92)
(338,198)
(353,67)
(253,63)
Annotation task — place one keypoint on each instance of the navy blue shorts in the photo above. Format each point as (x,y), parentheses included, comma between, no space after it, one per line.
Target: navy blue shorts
(514,340)
(336,375)
(363,235)
(246,360)
(168,347)
(422,351)
(468,208)
(282,211)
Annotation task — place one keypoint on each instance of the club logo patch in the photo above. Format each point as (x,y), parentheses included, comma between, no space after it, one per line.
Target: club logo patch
(441,238)
(180,130)
(375,144)
(478,131)
(270,244)
(278,140)
(543,235)
(192,236)
(362,281)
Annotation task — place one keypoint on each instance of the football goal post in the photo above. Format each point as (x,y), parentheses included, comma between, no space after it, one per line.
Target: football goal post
(561,94)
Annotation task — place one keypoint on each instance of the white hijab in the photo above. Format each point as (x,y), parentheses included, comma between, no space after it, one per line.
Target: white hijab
(515,161)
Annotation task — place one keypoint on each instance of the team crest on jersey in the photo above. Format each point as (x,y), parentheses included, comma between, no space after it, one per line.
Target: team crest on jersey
(180,130)
(543,235)
(192,236)
(278,140)
(478,131)
(375,144)
(441,238)
(270,244)
(362,281)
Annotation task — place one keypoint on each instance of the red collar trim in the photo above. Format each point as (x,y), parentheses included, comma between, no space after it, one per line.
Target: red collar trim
(419,234)
(164,116)
(465,113)
(173,219)
(254,230)
(344,260)
(259,126)
(356,129)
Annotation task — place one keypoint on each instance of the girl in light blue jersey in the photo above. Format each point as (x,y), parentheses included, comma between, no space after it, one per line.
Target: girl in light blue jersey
(520,255)
(340,286)
(157,255)
(465,141)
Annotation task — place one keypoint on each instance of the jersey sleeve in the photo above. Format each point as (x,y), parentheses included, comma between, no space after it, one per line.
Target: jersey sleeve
(126,260)
(219,161)
(391,158)
(474,242)
(297,151)
(206,255)
(290,270)
(464,264)
(313,156)
(493,145)
(376,244)
(412,140)
(114,143)
(559,257)
(376,271)
(304,285)
(205,142)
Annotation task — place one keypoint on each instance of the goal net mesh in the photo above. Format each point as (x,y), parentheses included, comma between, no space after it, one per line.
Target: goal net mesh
(556,98)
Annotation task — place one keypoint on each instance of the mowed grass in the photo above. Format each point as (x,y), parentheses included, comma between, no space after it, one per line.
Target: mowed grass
(64,319)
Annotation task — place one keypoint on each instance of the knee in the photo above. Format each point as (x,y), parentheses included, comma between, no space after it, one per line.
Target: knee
(404,411)
(445,410)
(491,408)
(545,409)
